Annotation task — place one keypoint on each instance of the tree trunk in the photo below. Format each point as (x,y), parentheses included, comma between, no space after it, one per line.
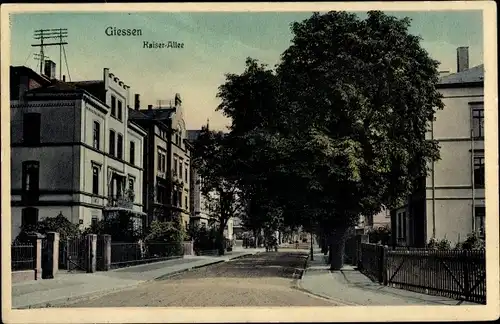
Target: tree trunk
(220,238)
(337,248)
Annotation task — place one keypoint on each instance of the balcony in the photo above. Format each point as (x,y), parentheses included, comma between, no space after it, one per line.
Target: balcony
(125,200)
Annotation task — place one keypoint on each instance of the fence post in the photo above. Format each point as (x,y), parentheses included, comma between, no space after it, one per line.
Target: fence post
(91,262)
(105,264)
(36,240)
(385,251)
(51,265)
(465,263)
(363,238)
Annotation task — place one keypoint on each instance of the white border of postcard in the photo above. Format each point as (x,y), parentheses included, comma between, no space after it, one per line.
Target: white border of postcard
(272,314)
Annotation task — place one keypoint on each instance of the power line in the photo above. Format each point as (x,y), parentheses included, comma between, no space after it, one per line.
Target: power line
(66,60)
(46,34)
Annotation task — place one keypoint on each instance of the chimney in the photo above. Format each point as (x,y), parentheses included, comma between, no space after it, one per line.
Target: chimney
(150,107)
(50,69)
(137,102)
(178,100)
(462,58)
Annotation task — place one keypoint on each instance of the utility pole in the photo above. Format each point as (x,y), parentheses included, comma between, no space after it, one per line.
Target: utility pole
(45,34)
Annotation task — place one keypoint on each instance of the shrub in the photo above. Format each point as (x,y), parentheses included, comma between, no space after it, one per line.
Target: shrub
(59,224)
(380,235)
(473,242)
(443,244)
(121,227)
(203,238)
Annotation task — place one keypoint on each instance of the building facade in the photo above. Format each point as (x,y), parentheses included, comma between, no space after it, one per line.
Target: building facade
(450,202)
(73,150)
(167,156)
(200,215)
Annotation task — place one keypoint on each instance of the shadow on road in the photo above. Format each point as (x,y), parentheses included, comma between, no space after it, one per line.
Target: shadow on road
(289,265)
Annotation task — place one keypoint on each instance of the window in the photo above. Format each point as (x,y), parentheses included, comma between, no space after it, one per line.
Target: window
(112,143)
(31,128)
(31,174)
(113,106)
(180,169)
(132,152)
(96,135)
(186,172)
(94,220)
(480,220)
(95,180)
(29,216)
(186,202)
(180,199)
(162,161)
(175,166)
(479,172)
(119,146)
(478,122)
(131,184)
(174,198)
(120,110)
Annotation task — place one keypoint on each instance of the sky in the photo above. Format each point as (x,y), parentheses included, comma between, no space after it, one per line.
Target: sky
(214,44)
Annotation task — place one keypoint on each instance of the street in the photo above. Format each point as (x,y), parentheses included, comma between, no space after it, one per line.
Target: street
(264,279)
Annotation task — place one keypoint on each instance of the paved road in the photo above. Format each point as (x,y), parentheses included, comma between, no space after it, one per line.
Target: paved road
(265,279)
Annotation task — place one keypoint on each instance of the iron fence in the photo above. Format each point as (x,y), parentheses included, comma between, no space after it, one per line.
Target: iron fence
(459,274)
(372,263)
(127,254)
(23,257)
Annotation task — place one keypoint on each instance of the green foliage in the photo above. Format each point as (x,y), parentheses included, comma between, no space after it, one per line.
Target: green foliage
(59,224)
(121,227)
(335,131)
(473,242)
(164,232)
(204,238)
(380,234)
(443,244)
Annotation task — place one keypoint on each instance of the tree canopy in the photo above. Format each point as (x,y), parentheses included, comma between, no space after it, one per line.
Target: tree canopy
(337,129)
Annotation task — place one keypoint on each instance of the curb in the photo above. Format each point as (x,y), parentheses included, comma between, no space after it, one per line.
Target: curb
(299,287)
(101,293)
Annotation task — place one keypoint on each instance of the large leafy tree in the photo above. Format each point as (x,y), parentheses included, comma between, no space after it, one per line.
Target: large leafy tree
(338,130)
(366,89)
(212,157)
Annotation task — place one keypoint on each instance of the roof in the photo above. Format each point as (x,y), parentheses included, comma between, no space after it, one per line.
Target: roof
(136,114)
(472,75)
(159,113)
(56,85)
(94,87)
(193,134)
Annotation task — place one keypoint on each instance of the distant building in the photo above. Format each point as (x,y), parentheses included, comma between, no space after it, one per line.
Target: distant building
(199,212)
(73,150)
(168,161)
(450,202)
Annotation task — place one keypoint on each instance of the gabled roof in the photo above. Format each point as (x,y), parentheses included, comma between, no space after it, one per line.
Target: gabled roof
(472,75)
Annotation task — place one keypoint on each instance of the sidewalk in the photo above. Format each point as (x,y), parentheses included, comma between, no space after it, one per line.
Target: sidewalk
(66,287)
(351,288)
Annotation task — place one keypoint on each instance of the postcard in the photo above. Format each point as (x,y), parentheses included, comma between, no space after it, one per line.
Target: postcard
(251,162)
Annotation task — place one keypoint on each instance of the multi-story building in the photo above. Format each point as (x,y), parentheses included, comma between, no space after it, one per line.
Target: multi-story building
(199,212)
(450,201)
(167,155)
(73,150)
